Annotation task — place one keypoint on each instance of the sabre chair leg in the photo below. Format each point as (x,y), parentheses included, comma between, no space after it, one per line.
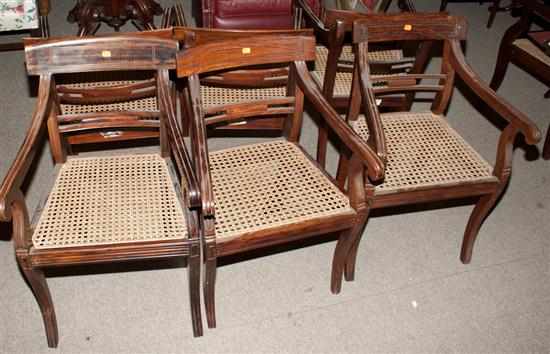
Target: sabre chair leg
(339,260)
(209,286)
(349,271)
(39,286)
(483,207)
(194,276)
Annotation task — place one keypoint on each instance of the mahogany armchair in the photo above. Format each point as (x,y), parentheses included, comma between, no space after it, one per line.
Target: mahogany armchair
(425,158)
(104,208)
(273,192)
(524,48)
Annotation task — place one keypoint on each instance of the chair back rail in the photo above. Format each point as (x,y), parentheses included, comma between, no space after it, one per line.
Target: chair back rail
(245,52)
(100,54)
(406,27)
(268,76)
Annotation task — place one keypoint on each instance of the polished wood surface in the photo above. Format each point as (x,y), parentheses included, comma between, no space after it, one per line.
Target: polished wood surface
(450,30)
(47,59)
(255,51)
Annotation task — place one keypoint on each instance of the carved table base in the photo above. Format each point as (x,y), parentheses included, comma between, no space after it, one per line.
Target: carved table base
(89,14)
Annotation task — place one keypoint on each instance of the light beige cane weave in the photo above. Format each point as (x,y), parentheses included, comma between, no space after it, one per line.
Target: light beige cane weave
(110,200)
(425,151)
(342,83)
(148,104)
(267,185)
(529,47)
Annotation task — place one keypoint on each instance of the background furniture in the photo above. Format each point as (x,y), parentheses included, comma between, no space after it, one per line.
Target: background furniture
(269,193)
(22,15)
(262,14)
(103,208)
(525,49)
(426,160)
(89,14)
(493,9)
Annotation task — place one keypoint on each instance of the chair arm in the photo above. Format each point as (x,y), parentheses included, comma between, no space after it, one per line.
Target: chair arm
(374,164)
(489,96)
(177,143)
(11,186)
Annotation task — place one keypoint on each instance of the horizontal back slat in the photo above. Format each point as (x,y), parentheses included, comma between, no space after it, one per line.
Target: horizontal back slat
(406,27)
(243,52)
(100,54)
(191,37)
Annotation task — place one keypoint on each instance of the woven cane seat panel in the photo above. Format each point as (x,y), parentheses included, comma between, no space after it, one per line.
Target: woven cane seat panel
(424,151)
(268,185)
(342,82)
(529,47)
(218,96)
(148,104)
(110,200)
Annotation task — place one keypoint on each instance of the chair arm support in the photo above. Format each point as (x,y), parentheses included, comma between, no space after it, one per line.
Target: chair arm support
(10,190)
(176,136)
(489,96)
(374,164)
(200,149)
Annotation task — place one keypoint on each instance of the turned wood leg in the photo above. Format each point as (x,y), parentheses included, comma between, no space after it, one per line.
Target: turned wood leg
(483,207)
(443,5)
(194,275)
(209,285)
(345,243)
(503,59)
(37,282)
(546,148)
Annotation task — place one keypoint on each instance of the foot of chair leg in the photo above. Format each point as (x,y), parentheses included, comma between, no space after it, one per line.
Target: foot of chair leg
(37,282)
(194,273)
(480,212)
(209,285)
(339,260)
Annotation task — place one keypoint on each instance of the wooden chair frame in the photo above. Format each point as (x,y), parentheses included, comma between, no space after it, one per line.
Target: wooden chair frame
(508,52)
(333,30)
(258,77)
(272,49)
(47,59)
(451,30)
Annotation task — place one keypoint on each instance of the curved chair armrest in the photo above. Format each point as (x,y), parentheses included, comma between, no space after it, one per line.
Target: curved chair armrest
(489,96)
(374,164)
(11,186)
(177,143)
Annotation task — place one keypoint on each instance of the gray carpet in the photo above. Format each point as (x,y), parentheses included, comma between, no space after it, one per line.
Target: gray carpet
(411,293)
